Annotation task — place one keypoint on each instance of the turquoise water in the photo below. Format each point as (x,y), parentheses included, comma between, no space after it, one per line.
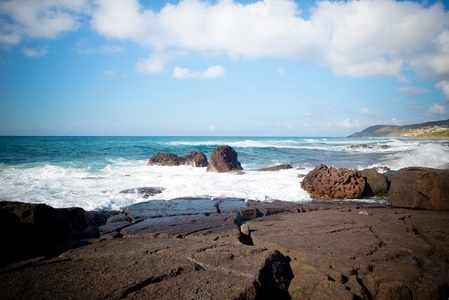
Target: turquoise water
(53,170)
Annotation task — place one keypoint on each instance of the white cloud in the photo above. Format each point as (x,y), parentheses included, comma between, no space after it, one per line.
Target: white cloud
(281,71)
(322,103)
(411,90)
(443,86)
(110,74)
(153,64)
(38,19)
(35,52)
(366,111)
(348,124)
(354,38)
(394,121)
(211,72)
(438,108)
(103,49)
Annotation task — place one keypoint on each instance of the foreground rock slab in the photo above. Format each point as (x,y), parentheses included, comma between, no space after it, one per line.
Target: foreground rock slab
(369,254)
(153,268)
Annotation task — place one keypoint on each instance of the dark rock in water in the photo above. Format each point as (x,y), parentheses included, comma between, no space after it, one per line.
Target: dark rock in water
(366,146)
(144,191)
(332,183)
(276,168)
(376,183)
(165,159)
(38,229)
(420,188)
(195,159)
(223,159)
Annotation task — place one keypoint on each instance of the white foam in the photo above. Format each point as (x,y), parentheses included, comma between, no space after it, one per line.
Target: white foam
(432,155)
(67,187)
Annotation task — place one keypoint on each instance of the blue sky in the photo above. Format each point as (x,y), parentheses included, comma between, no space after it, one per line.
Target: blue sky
(232,68)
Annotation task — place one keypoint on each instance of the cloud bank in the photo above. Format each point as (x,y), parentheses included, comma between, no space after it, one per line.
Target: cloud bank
(355,38)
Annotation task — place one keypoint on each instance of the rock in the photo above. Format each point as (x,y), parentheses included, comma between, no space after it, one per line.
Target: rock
(335,254)
(332,183)
(376,183)
(367,147)
(144,191)
(38,229)
(223,159)
(154,268)
(420,188)
(165,159)
(276,168)
(195,159)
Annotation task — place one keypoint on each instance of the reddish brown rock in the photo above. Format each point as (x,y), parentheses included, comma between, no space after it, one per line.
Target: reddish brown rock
(420,188)
(332,183)
(195,159)
(224,159)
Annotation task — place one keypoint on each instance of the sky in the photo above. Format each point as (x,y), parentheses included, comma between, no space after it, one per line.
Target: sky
(220,67)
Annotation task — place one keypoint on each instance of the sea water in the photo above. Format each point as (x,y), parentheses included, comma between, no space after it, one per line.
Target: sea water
(90,172)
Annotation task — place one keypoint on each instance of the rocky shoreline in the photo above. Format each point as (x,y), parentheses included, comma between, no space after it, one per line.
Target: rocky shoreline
(235,249)
(229,248)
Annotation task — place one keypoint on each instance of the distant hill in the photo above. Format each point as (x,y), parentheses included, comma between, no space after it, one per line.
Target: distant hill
(423,130)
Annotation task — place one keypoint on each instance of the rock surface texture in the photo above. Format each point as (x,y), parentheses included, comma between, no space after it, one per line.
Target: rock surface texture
(376,253)
(421,188)
(195,159)
(198,248)
(332,183)
(224,159)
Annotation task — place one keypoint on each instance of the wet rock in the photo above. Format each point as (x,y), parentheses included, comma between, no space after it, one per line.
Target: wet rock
(376,183)
(276,168)
(38,229)
(332,183)
(195,159)
(224,159)
(144,191)
(420,188)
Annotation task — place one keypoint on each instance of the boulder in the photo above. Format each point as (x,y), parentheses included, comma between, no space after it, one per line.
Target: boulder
(329,182)
(195,159)
(38,229)
(276,168)
(420,188)
(376,183)
(223,159)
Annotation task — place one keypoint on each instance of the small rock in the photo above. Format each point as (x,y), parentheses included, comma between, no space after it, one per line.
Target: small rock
(276,168)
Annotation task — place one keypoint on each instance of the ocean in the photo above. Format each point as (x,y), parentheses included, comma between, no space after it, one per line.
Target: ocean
(90,172)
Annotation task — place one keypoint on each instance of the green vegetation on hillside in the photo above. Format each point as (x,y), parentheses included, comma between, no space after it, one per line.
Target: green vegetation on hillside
(438,129)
